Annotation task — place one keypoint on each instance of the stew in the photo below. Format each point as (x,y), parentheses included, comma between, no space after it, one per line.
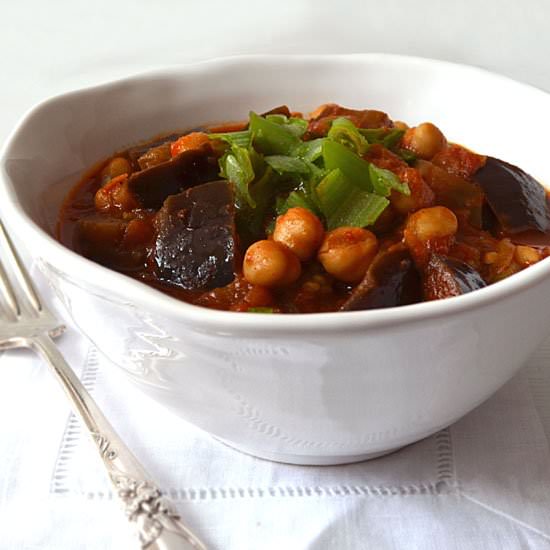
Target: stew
(341,210)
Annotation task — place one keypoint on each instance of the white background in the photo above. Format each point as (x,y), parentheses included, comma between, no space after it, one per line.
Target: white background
(51,46)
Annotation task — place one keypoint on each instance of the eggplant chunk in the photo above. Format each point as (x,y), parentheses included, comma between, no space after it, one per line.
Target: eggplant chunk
(195,245)
(134,153)
(518,200)
(281,110)
(155,155)
(153,185)
(391,280)
(445,277)
(101,239)
(98,232)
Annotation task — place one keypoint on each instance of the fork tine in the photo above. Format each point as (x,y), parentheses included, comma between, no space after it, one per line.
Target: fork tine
(21,275)
(7,290)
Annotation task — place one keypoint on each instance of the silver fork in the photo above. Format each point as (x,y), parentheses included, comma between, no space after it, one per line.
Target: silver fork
(27,323)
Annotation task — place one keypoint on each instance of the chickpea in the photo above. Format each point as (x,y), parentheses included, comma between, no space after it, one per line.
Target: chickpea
(490,258)
(432,223)
(426,140)
(421,195)
(188,142)
(347,252)
(400,125)
(270,264)
(115,167)
(430,229)
(526,255)
(116,196)
(301,231)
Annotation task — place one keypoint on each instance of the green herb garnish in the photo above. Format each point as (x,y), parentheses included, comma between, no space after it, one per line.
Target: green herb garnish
(273,170)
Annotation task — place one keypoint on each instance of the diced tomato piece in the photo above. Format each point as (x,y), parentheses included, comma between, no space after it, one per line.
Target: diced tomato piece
(321,119)
(192,141)
(228,127)
(459,161)
(116,196)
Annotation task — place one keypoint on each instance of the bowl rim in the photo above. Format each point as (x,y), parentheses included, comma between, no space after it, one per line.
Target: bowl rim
(129,290)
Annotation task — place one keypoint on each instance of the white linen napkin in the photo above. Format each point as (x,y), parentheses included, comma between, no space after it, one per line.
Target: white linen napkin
(482,483)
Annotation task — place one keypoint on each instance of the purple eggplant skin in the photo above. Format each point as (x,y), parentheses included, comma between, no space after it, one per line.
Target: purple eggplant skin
(445,277)
(153,185)
(519,202)
(134,153)
(392,280)
(280,110)
(195,246)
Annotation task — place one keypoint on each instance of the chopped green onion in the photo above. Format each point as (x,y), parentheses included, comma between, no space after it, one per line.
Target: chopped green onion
(310,187)
(343,131)
(271,138)
(373,135)
(408,156)
(353,167)
(327,176)
(342,203)
(309,150)
(236,166)
(383,181)
(296,199)
(388,137)
(277,118)
(283,164)
(296,126)
(250,219)
(332,191)
(392,138)
(241,138)
(260,310)
(359,209)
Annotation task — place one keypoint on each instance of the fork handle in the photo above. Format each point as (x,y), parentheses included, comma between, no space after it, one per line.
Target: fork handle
(158,525)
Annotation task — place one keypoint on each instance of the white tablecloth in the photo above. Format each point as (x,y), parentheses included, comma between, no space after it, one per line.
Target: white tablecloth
(483,483)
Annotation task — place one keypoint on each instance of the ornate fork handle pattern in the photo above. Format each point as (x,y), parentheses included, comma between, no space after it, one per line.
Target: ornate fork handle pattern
(143,502)
(27,323)
(157,523)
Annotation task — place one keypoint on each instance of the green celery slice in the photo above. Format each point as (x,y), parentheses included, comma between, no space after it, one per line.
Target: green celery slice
(241,138)
(359,209)
(332,190)
(236,166)
(271,138)
(353,167)
(343,131)
(408,156)
(277,118)
(295,199)
(283,164)
(309,151)
(388,137)
(294,125)
(392,138)
(343,204)
(373,135)
(383,181)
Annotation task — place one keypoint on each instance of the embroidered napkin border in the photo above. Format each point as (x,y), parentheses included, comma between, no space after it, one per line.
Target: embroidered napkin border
(443,482)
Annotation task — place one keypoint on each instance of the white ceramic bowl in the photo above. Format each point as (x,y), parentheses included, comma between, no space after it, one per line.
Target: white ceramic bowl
(308,389)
